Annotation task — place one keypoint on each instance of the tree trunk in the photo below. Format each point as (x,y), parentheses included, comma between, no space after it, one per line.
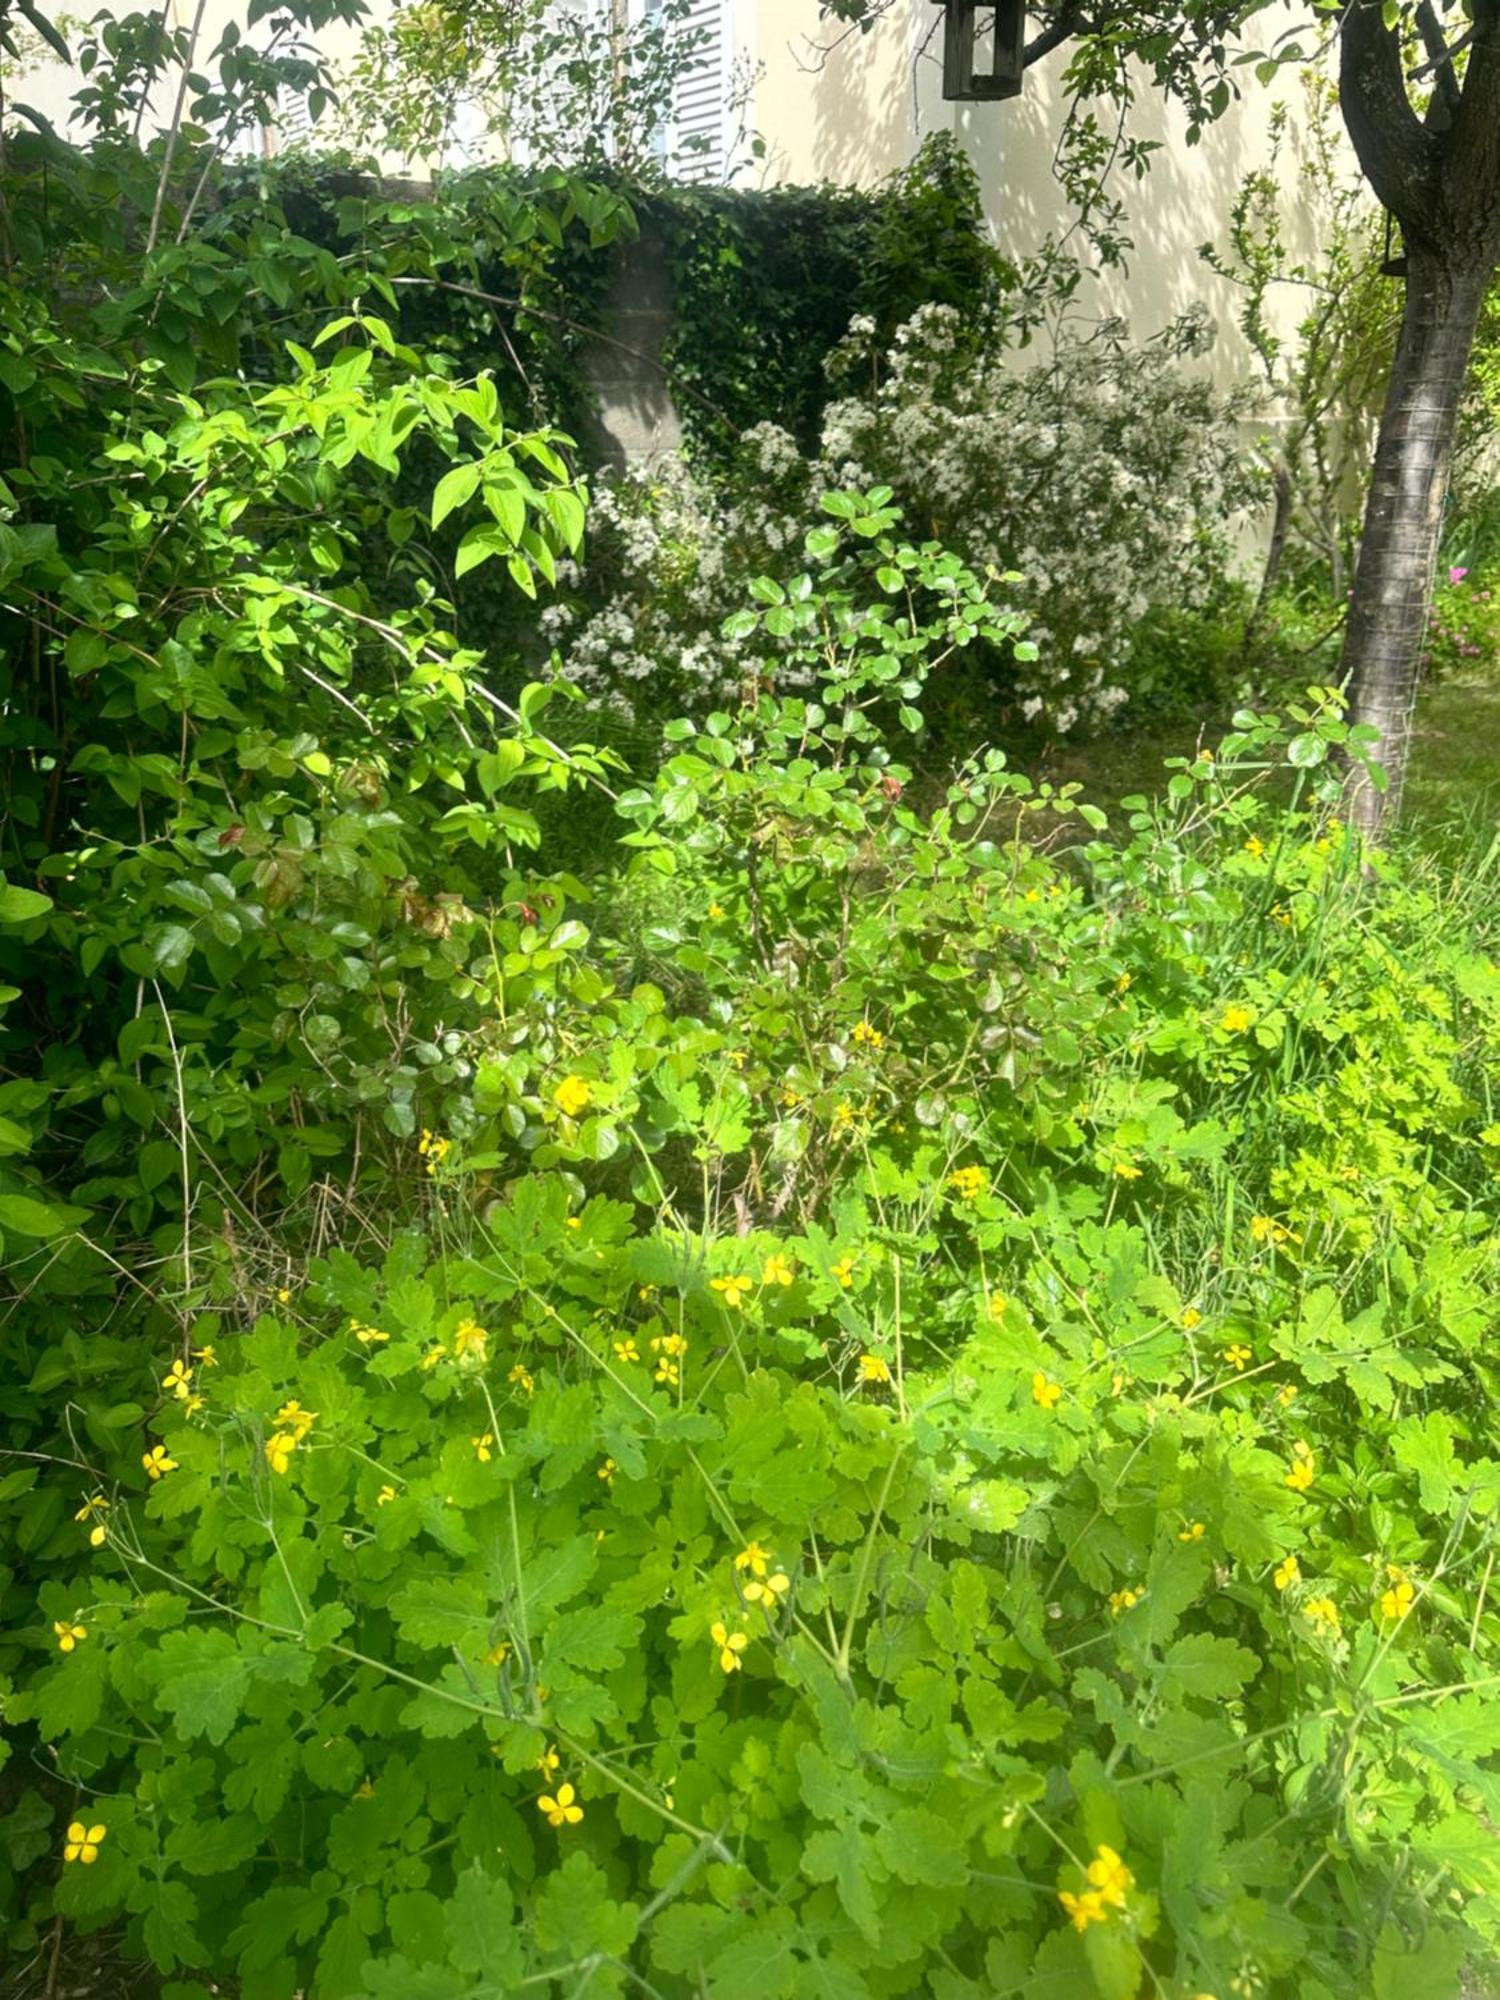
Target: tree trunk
(1404,515)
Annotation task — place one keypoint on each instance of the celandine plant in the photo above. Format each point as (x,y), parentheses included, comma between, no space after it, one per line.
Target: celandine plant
(930,1438)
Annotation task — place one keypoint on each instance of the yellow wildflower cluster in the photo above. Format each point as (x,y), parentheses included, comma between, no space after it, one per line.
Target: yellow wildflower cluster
(470,1341)
(1266,1229)
(484,1446)
(1127,1170)
(292,1426)
(1398,1597)
(968,1183)
(1109,1882)
(1190,1318)
(1046,1393)
(842,1273)
(778,1270)
(94,1510)
(1193,1532)
(157,1462)
(561,1808)
(607,1471)
(1287,1572)
(82,1843)
(669,1349)
(178,1381)
(1255,847)
(867,1036)
(767,1583)
(1121,1601)
(68,1634)
(1323,1614)
(730,1645)
(367,1336)
(626,1349)
(521,1377)
(872,1368)
(733,1291)
(1237,1355)
(573,1095)
(1303,1469)
(1235,1020)
(434,1150)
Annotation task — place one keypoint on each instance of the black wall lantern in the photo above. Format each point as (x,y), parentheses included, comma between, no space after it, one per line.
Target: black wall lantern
(984,48)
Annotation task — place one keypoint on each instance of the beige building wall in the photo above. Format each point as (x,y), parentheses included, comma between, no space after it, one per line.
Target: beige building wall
(854,108)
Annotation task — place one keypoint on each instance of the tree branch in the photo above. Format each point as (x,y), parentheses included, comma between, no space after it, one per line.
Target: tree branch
(1397,152)
(1069,22)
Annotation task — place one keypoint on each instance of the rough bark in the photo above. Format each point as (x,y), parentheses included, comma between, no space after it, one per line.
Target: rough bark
(1398,553)
(1440,177)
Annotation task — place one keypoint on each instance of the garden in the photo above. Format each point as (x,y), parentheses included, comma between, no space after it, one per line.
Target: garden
(747,1206)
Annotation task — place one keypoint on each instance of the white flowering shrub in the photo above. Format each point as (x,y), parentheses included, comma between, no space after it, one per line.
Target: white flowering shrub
(1108,475)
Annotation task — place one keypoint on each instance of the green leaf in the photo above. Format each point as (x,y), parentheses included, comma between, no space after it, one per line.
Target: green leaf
(21,906)
(453,489)
(26,1217)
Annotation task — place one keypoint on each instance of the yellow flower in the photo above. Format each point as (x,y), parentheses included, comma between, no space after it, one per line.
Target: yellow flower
(738,1057)
(768,1591)
(730,1645)
(1193,1532)
(498,1654)
(843,1112)
(1255,847)
(205,1357)
(561,1811)
(279,1450)
(626,1349)
(68,1634)
(178,1380)
(1266,1229)
(997,1304)
(607,1471)
(385,1496)
(1044,1391)
(1205,756)
(733,1291)
(1286,1395)
(1124,983)
(843,1273)
(157,1463)
(1085,1909)
(292,1417)
(575,1222)
(1397,1601)
(483,1446)
(1303,1469)
(367,1336)
(1121,1601)
(192,1406)
(1191,1317)
(1237,1356)
(753,1558)
(469,1337)
(433,1356)
(283,1296)
(968,1183)
(434,1150)
(1109,1876)
(872,1368)
(83,1842)
(522,1378)
(572,1095)
(870,1037)
(716,910)
(778,1271)
(790,1098)
(1280,914)
(1127,1170)
(548,1762)
(364,1789)
(1287,1571)
(669,1343)
(1323,1613)
(94,1510)
(1235,1020)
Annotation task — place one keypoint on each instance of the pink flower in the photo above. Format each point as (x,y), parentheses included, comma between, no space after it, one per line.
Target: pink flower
(1457,575)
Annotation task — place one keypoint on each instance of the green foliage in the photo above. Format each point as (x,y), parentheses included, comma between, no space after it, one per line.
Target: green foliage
(931,1381)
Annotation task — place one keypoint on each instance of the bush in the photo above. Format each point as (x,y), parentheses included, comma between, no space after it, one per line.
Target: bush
(1104,477)
(927,1434)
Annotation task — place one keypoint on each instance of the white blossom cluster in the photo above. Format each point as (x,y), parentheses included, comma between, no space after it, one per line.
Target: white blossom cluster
(1106,474)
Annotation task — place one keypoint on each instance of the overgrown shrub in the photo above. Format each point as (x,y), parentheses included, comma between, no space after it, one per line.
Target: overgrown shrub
(926,1434)
(1105,475)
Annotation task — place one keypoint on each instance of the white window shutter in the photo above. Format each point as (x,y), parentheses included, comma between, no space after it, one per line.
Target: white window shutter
(701,139)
